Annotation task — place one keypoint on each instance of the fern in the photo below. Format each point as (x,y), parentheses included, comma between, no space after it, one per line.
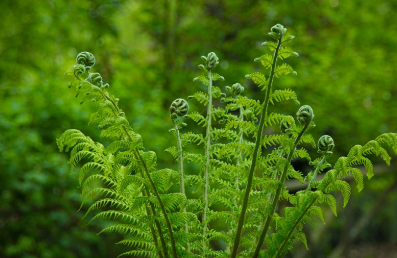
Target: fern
(123,184)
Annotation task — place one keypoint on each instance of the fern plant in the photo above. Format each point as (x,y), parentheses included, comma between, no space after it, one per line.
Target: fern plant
(127,188)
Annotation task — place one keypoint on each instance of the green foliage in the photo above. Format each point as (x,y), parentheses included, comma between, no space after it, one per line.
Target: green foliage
(123,178)
(139,45)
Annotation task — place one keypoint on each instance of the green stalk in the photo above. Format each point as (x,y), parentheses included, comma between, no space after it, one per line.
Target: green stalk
(277,196)
(305,211)
(315,173)
(182,181)
(156,193)
(163,244)
(207,155)
(256,150)
(293,228)
(236,182)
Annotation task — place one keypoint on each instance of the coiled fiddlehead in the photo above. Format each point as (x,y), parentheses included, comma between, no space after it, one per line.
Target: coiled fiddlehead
(285,126)
(326,144)
(96,79)
(277,31)
(305,115)
(86,58)
(211,61)
(179,108)
(236,89)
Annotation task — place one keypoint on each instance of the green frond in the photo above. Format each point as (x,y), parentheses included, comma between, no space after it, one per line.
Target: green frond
(172,201)
(316,211)
(216,77)
(292,173)
(201,97)
(217,113)
(139,253)
(150,159)
(132,180)
(163,178)
(270,44)
(113,215)
(273,139)
(301,153)
(375,148)
(264,184)
(75,159)
(328,199)
(275,119)
(252,104)
(173,151)
(91,166)
(203,79)
(266,60)
(125,229)
(358,177)
(137,242)
(302,237)
(91,180)
(390,139)
(367,164)
(280,95)
(307,138)
(198,118)
(193,137)
(179,219)
(217,134)
(196,158)
(107,201)
(247,126)
(70,138)
(344,188)
(283,69)
(286,52)
(259,79)
(112,132)
(216,92)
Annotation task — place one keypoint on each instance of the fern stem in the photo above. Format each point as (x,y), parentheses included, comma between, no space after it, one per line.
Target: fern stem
(293,228)
(163,244)
(256,150)
(315,173)
(156,193)
(280,250)
(182,182)
(277,196)
(207,155)
(239,157)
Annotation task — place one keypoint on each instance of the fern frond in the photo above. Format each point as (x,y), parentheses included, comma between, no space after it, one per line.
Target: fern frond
(283,69)
(280,95)
(259,79)
(198,118)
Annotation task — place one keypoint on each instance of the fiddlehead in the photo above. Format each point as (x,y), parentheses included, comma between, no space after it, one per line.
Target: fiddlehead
(179,108)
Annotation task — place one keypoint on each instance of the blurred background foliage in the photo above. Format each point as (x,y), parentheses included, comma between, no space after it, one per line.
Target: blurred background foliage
(149,51)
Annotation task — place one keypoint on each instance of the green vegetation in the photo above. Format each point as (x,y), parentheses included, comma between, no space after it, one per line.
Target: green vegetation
(124,181)
(148,52)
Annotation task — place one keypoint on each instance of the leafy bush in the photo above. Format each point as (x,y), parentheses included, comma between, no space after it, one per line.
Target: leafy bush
(241,171)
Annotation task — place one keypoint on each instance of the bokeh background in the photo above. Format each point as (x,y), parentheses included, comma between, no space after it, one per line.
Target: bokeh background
(148,51)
